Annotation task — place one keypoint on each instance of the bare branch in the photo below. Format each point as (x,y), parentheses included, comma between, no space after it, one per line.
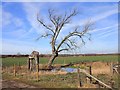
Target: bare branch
(63,50)
(74,13)
(43,36)
(46,26)
(51,12)
(73,43)
(65,20)
(57,22)
(77,34)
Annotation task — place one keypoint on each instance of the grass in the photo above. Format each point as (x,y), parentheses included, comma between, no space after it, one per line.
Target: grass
(63,81)
(68,80)
(47,81)
(60,60)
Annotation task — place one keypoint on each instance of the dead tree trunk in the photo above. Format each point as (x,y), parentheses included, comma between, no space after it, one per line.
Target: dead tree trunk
(67,42)
(51,60)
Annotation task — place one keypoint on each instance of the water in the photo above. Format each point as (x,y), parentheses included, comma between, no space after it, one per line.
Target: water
(69,70)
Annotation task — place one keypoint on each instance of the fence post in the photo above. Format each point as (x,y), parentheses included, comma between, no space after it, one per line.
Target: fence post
(19,65)
(79,78)
(112,83)
(37,73)
(87,79)
(28,62)
(90,71)
(14,70)
(98,85)
(111,68)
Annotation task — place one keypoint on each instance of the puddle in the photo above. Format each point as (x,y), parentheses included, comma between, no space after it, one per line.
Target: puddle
(69,70)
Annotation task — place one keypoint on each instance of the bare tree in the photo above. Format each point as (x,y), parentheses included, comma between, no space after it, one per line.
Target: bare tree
(68,42)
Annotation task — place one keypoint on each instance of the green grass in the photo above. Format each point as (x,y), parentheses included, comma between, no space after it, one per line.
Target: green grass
(60,60)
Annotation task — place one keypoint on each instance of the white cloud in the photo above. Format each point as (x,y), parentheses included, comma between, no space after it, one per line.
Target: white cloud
(104,15)
(105,28)
(17,33)
(31,10)
(106,12)
(13,47)
(108,34)
(8,19)
(18,25)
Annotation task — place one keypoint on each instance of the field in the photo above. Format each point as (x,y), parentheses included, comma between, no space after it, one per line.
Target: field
(60,60)
(60,79)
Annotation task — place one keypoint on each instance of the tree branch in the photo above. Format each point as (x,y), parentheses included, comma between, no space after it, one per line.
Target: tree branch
(64,21)
(63,49)
(51,17)
(58,21)
(46,26)
(75,33)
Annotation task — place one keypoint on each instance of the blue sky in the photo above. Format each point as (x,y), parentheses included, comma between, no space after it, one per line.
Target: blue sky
(20,27)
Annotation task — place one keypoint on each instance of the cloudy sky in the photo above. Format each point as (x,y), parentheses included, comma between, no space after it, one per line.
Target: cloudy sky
(20,27)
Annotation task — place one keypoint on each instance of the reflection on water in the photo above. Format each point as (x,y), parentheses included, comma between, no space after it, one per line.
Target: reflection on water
(69,70)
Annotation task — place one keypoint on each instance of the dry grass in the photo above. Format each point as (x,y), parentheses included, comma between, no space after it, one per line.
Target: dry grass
(47,77)
(100,68)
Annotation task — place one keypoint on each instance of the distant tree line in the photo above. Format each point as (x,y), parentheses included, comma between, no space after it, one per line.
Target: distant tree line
(61,55)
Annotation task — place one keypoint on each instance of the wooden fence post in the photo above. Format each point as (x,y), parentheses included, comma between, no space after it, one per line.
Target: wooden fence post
(79,78)
(28,62)
(112,83)
(14,70)
(90,71)
(37,73)
(98,84)
(87,79)
(111,68)
(19,66)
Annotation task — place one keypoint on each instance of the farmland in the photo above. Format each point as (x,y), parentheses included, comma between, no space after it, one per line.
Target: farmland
(9,61)
(47,79)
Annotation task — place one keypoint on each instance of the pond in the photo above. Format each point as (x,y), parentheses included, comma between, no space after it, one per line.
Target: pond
(69,70)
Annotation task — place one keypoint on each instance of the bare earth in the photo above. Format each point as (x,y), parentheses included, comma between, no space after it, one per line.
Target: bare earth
(14,84)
